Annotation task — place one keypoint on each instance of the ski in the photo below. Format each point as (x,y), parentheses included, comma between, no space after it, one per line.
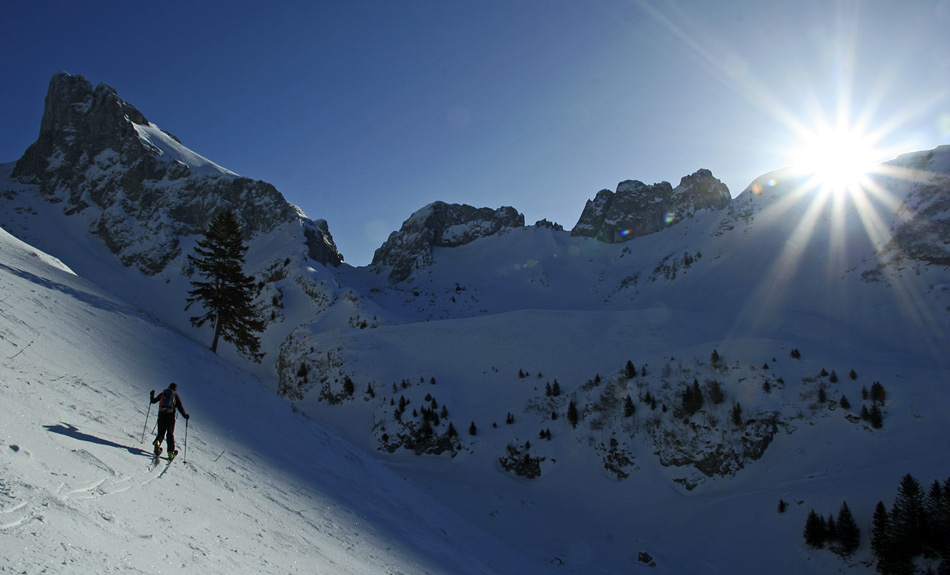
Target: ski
(157,457)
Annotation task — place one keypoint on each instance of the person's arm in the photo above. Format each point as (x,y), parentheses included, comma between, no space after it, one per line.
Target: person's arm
(154,398)
(181,409)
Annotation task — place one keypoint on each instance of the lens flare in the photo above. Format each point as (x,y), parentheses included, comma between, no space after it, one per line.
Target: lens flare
(837,159)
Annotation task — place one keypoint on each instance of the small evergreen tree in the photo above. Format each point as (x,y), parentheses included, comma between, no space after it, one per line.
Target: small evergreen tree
(942,528)
(878,393)
(848,533)
(876,417)
(629,370)
(572,414)
(831,529)
(814,531)
(880,529)
(936,533)
(628,407)
(737,414)
(716,394)
(692,398)
(472,430)
(908,518)
(844,403)
(881,540)
(225,293)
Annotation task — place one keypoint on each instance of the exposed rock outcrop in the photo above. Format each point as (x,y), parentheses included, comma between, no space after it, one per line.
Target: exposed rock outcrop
(637,209)
(439,225)
(922,229)
(133,182)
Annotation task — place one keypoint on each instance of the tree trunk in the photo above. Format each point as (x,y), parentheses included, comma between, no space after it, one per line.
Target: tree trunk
(217,333)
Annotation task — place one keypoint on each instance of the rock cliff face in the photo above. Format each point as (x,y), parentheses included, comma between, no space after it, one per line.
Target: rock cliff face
(637,209)
(439,225)
(101,158)
(922,229)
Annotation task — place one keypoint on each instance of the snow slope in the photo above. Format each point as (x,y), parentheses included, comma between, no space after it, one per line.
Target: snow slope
(778,270)
(782,268)
(260,489)
(169,149)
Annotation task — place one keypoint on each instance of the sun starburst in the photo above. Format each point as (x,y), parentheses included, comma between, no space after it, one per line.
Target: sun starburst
(836,159)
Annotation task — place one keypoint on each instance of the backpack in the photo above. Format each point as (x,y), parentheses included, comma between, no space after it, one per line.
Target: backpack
(168,401)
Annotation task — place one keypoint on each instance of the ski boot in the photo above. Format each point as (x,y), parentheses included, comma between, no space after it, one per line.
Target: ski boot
(158,448)
(172,454)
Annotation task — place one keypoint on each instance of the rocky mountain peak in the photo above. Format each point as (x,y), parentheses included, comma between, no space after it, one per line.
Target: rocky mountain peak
(100,157)
(79,119)
(439,225)
(637,209)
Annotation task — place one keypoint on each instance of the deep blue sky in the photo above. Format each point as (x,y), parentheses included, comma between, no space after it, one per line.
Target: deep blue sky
(362,112)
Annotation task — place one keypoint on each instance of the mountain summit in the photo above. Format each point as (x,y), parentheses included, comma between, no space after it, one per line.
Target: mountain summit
(439,225)
(102,159)
(637,209)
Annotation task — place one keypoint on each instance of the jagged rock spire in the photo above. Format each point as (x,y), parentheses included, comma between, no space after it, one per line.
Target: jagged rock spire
(637,209)
(99,155)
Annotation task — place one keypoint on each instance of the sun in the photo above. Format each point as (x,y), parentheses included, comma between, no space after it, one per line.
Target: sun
(836,159)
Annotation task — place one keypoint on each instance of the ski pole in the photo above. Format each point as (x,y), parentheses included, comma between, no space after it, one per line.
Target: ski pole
(184,456)
(144,427)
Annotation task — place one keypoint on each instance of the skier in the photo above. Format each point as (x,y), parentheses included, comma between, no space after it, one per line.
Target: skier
(170,401)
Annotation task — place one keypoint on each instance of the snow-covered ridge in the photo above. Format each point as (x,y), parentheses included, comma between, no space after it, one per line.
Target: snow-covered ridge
(14,244)
(171,150)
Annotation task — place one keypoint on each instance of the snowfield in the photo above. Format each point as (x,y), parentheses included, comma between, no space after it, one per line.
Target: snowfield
(261,489)
(301,484)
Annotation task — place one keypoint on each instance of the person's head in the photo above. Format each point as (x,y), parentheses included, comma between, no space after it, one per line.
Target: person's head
(173,386)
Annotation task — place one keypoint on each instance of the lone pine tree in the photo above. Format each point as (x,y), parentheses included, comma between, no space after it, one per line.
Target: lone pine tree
(225,293)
